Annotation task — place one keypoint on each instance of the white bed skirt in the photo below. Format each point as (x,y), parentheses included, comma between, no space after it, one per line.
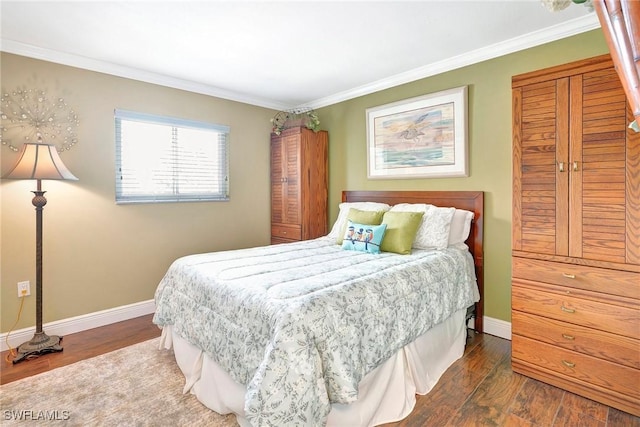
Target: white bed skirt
(386,394)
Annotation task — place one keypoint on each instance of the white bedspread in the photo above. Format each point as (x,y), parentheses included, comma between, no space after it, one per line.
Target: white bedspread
(301,324)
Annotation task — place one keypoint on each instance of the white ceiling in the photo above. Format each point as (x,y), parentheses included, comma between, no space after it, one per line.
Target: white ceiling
(281,54)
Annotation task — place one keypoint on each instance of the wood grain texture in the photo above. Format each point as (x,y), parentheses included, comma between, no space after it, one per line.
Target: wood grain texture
(299,183)
(575,163)
(576,272)
(632,188)
(516,236)
(618,384)
(553,303)
(619,285)
(596,343)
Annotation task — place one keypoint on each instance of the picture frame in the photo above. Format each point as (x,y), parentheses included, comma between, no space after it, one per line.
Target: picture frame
(421,137)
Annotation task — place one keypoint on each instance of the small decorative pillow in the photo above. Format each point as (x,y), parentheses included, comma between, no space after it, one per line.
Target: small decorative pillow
(363,237)
(337,231)
(361,217)
(401,231)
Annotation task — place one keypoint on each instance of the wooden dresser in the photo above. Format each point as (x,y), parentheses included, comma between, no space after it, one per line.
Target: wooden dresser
(576,233)
(299,185)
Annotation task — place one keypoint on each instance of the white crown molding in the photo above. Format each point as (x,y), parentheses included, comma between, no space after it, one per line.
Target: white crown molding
(35,52)
(557,32)
(569,28)
(81,323)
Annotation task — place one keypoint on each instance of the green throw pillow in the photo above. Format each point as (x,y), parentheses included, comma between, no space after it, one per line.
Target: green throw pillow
(401,231)
(361,217)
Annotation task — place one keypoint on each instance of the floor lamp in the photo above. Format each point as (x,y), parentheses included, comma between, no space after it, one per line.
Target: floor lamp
(39,161)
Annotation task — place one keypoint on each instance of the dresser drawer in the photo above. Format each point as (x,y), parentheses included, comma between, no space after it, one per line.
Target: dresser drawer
(277,240)
(567,308)
(603,345)
(602,280)
(587,369)
(289,232)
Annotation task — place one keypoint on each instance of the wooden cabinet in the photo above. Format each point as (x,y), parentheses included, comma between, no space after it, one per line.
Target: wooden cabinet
(576,233)
(299,182)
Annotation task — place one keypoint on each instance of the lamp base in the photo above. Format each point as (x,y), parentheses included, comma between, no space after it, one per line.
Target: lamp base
(40,344)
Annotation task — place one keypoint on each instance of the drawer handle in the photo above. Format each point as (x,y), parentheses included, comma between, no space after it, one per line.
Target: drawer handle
(568,364)
(568,337)
(567,309)
(569,276)
(561,166)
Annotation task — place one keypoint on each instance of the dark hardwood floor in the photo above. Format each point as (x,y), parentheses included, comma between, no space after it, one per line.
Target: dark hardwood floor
(478,390)
(82,345)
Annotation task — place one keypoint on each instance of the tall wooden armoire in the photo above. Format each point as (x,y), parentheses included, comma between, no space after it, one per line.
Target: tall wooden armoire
(299,185)
(576,233)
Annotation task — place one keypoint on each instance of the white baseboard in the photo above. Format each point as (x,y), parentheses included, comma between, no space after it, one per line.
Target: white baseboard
(80,323)
(497,327)
(492,326)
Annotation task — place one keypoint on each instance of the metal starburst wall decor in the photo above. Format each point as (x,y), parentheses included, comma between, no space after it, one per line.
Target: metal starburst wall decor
(26,114)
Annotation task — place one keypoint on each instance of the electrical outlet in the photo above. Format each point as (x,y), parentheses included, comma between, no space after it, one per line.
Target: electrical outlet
(24,289)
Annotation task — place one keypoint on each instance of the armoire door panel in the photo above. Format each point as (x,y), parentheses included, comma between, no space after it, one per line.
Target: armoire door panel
(276,203)
(574,169)
(277,182)
(566,130)
(598,179)
(316,194)
(632,212)
(535,167)
(292,179)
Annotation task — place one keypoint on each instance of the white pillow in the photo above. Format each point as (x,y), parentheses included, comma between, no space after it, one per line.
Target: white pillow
(341,221)
(460,226)
(434,227)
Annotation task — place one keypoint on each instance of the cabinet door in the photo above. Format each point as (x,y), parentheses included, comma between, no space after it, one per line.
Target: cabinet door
(292,194)
(604,187)
(277,180)
(314,183)
(540,178)
(285,179)
(575,169)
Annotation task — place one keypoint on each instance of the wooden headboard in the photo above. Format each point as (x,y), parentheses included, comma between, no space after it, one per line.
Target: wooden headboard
(468,200)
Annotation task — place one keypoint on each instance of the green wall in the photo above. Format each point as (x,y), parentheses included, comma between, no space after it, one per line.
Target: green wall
(489,132)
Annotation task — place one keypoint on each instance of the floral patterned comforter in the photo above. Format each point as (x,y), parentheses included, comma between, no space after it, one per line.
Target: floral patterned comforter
(300,324)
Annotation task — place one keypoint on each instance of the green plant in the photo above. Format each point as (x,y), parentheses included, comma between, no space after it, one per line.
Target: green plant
(283,119)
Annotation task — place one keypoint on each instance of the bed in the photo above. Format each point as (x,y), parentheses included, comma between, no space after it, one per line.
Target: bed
(307,333)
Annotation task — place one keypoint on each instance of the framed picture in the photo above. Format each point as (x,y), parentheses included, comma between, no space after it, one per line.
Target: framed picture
(422,137)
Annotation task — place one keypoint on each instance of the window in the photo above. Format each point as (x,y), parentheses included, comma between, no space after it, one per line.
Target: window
(164,159)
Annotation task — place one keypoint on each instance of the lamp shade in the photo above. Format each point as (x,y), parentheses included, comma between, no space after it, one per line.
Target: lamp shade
(39,161)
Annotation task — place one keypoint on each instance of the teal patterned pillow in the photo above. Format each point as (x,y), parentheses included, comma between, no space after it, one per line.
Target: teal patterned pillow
(363,238)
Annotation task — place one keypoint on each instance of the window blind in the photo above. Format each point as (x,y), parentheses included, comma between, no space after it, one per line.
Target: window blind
(166,159)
